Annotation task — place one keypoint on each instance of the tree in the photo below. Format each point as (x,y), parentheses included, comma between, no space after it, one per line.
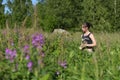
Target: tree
(2,16)
(65,14)
(59,14)
(117,15)
(20,11)
(110,7)
(94,12)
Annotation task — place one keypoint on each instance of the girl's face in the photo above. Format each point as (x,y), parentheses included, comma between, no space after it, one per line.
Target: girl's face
(84,28)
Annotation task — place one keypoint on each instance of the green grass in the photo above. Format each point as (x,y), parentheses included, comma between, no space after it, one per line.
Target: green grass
(103,64)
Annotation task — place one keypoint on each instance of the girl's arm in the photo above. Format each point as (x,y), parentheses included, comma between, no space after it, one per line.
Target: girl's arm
(93,40)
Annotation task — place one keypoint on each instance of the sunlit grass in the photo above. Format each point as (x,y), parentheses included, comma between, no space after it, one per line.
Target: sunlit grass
(62,60)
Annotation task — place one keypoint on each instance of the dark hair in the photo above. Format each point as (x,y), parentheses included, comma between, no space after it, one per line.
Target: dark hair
(87,24)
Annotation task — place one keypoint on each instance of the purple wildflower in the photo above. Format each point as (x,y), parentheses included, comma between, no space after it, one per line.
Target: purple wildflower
(26,52)
(29,65)
(7,50)
(63,64)
(38,40)
(26,49)
(27,57)
(10,54)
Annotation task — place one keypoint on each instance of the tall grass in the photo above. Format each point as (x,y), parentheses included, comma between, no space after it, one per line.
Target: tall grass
(59,58)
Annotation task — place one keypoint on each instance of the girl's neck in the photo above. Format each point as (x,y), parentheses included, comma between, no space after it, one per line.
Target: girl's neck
(87,32)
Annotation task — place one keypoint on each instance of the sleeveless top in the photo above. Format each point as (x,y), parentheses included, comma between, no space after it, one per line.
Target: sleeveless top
(88,40)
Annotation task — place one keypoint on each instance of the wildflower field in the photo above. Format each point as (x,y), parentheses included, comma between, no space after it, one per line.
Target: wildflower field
(31,54)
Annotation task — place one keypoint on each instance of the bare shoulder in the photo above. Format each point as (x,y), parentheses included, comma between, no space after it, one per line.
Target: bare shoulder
(91,35)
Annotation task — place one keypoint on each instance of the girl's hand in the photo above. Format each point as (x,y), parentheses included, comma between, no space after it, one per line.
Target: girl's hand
(82,46)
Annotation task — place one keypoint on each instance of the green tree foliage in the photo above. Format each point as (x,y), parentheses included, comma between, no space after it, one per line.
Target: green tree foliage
(68,14)
(118,14)
(2,16)
(93,11)
(20,11)
(59,14)
(110,15)
(65,14)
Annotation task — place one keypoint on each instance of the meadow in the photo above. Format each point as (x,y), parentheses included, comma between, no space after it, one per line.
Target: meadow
(31,54)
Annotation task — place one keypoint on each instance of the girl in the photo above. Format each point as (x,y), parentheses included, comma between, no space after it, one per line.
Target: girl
(88,40)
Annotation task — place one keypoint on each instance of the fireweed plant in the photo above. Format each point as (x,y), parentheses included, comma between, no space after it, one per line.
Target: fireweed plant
(27,55)
(37,43)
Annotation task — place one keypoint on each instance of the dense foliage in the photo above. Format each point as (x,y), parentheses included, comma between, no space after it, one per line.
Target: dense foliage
(26,54)
(66,14)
